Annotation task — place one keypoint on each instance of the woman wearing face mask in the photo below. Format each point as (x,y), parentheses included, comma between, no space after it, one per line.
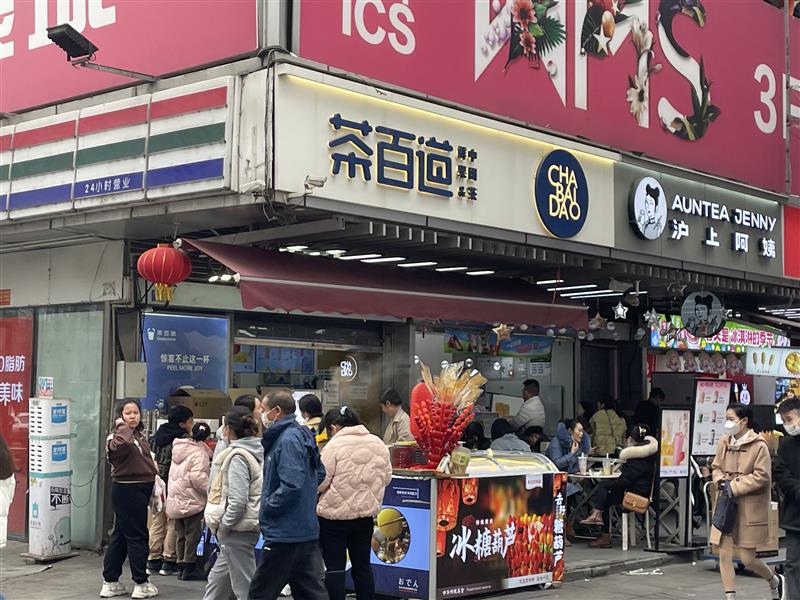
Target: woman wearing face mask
(742,468)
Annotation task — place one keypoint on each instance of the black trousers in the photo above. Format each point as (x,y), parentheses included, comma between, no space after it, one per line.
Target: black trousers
(604,498)
(337,539)
(130,537)
(299,565)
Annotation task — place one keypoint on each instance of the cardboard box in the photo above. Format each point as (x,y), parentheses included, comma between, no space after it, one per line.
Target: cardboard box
(768,549)
(204,403)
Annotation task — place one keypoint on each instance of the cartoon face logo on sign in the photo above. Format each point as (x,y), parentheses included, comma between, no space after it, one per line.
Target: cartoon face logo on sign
(648,208)
(561,194)
(703,314)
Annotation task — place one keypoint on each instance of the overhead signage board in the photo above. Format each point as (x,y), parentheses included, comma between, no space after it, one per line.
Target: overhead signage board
(775,362)
(734,337)
(417,158)
(677,218)
(791,237)
(641,75)
(124,31)
(172,142)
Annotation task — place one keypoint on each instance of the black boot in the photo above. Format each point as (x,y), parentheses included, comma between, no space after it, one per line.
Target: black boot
(192,572)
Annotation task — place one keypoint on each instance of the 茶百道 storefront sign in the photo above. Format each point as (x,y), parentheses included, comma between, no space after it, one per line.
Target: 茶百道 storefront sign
(669,332)
(649,76)
(128,34)
(409,156)
(162,144)
(677,218)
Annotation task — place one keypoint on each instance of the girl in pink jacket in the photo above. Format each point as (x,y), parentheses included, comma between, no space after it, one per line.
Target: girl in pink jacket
(357,471)
(187,493)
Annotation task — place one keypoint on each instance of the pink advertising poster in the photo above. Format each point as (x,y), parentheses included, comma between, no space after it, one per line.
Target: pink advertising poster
(675,431)
(671,80)
(711,399)
(150,36)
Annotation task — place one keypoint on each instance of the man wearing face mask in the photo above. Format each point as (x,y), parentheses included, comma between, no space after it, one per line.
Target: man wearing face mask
(787,479)
(288,516)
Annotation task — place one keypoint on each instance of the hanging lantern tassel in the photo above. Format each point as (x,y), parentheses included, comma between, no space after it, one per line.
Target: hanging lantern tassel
(165,267)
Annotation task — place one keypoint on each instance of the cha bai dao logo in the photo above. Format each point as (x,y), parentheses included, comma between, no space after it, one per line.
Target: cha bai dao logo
(561,194)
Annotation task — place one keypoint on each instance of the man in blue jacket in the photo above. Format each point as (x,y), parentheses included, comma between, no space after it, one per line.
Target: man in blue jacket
(288,518)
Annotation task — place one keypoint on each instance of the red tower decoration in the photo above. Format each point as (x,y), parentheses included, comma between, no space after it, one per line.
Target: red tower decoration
(164,266)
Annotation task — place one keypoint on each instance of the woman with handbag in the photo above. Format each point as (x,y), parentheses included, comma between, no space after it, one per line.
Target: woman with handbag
(635,483)
(742,470)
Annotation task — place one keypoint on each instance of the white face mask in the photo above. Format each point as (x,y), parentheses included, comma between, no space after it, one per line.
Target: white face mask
(732,427)
(793,429)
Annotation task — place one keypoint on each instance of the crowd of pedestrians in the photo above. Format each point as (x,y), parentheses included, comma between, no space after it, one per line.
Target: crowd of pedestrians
(267,475)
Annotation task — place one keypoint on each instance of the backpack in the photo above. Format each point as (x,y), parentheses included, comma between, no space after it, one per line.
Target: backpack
(217,493)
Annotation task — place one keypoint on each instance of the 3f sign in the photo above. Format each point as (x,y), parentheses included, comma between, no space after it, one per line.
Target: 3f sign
(401,38)
(78,13)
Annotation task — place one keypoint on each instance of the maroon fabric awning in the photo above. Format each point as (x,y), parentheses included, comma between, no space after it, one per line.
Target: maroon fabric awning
(277,280)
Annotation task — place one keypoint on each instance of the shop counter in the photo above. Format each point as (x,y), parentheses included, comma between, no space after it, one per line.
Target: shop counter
(499,527)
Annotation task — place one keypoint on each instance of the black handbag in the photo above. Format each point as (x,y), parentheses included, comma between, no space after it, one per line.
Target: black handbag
(725,512)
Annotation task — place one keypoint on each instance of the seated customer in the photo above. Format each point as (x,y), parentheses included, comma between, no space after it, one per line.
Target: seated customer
(474,438)
(569,443)
(504,438)
(637,476)
(534,435)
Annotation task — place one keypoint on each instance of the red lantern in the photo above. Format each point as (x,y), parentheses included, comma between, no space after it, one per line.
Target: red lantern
(165,266)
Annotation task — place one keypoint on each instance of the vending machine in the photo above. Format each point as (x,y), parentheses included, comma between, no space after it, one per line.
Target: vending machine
(50,473)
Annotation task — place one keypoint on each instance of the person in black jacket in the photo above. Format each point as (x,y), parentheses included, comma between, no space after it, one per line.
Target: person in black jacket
(636,476)
(787,480)
(162,555)
(647,410)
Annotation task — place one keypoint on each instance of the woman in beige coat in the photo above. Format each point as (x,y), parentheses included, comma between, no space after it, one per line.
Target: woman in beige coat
(742,468)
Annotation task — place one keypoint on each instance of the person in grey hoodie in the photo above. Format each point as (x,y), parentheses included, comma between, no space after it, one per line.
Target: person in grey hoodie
(234,502)
(505,439)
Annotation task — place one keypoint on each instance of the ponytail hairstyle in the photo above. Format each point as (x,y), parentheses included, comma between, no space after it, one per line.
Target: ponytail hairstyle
(638,433)
(200,432)
(241,422)
(121,407)
(341,417)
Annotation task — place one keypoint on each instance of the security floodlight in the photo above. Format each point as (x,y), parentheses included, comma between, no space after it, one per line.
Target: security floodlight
(80,52)
(71,41)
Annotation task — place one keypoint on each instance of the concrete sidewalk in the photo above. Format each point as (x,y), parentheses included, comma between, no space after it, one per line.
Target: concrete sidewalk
(639,578)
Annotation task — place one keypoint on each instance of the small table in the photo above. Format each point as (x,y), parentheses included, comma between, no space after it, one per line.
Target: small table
(595,479)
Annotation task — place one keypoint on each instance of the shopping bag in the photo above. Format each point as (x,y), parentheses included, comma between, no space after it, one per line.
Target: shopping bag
(725,512)
(207,550)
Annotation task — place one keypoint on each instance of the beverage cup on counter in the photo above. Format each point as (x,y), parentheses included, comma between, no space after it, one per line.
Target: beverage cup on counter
(583,464)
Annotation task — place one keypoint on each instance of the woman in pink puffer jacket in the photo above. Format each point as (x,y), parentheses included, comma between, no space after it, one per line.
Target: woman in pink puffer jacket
(187,493)
(357,471)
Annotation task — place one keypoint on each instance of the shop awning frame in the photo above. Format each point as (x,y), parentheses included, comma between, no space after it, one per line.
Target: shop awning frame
(284,281)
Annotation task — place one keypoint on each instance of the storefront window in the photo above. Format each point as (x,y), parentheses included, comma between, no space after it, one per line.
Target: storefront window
(16,366)
(70,349)
(340,363)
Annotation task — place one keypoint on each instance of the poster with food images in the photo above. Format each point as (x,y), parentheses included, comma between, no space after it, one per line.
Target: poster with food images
(499,533)
(711,399)
(676,428)
(776,362)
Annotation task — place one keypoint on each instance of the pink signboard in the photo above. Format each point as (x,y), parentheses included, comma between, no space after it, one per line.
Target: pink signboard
(150,36)
(671,80)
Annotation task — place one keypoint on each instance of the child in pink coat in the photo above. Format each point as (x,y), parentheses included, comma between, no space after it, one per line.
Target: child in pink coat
(187,493)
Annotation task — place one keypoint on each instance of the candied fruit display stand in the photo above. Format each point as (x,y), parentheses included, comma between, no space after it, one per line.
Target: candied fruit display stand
(499,527)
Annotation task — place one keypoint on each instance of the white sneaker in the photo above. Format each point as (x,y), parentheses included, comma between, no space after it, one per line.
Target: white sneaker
(112,588)
(144,590)
(286,592)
